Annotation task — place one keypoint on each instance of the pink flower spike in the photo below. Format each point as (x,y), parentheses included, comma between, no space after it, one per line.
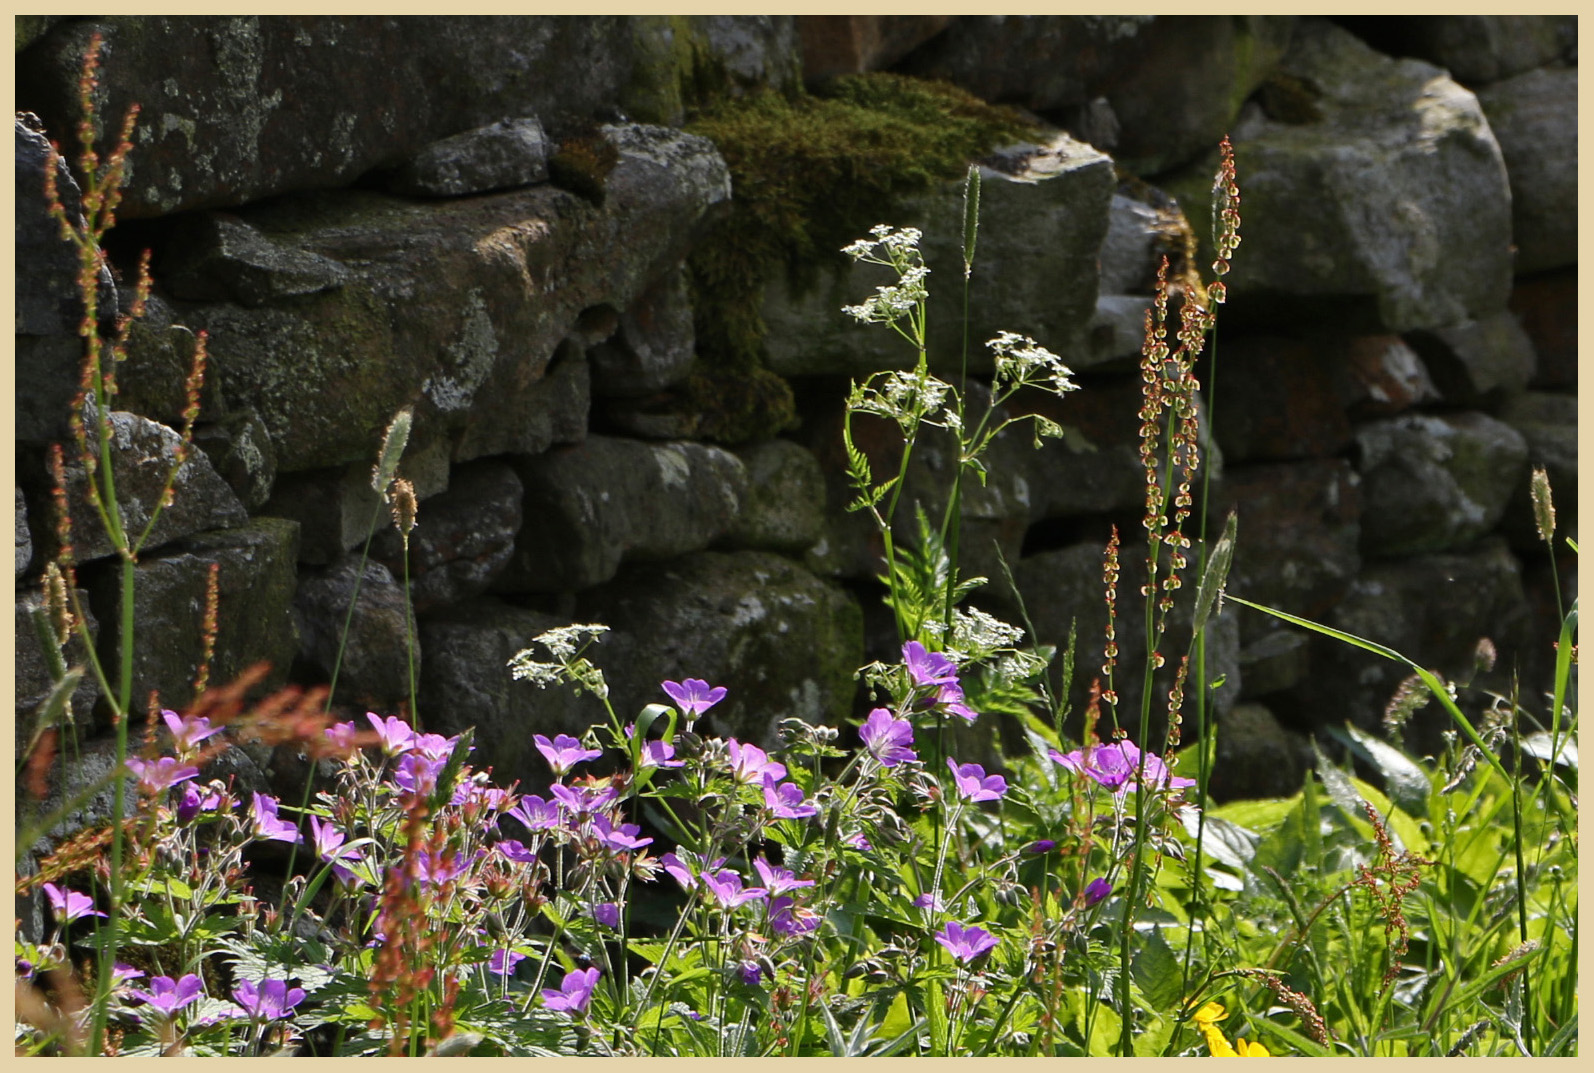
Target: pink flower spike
(693,696)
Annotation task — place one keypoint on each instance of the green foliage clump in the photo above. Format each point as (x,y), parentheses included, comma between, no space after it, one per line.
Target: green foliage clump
(809,175)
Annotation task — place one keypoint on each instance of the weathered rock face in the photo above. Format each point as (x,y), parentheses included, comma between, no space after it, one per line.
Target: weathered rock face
(1548,424)
(588,507)
(24,537)
(785,502)
(1043,212)
(1432,483)
(467,298)
(1378,375)
(142,453)
(653,345)
(1477,361)
(1367,178)
(1546,306)
(1257,756)
(1476,49)
(734,619)
(1278,403)
(851,44)
(374,666)
(502,155)
(255,583)
(462,539)
(1534,117)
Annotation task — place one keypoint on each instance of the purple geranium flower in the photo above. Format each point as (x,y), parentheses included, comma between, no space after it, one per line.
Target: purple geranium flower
(887,738)
(188,732)
(564,752)
(190,802)
(515,851)
(974,785)
(157,776)
(623,837)
(693,696)
(951,698)
(270,1000)
(859,841)
(726,886)
(788,918)
(121,973)
(417,774)
(659,754)
(584,800)
(607,914)
(1045,845)
(329,847)
(442,866)
(750,764)
(778,880)
(929,900)
(69,905)
(1096,890)
(928,668)
(433,746)
(342,735)
(677,868)
(266,823)
(168,996)
(1114,766)
(575,991)
(535,813)
(752,973)
(786,800)
(965,944)
(503,962)
(396,735)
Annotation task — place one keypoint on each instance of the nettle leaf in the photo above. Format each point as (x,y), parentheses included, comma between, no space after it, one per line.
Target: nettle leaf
(1405,782)
(1156,970)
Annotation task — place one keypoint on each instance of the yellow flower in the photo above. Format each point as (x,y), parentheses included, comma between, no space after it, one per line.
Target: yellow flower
(1218,1046)
(1251,1050)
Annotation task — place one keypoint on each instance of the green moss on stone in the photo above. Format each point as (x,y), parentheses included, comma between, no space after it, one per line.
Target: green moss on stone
(809,175)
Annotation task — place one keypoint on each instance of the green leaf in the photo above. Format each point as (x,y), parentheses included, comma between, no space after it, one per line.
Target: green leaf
(1406,783)
(1216,574)
(1156,969)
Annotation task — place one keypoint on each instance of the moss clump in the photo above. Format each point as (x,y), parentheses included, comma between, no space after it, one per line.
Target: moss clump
(581,165)
(810,175)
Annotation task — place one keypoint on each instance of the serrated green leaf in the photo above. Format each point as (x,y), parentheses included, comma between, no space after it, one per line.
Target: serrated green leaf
(1406,783)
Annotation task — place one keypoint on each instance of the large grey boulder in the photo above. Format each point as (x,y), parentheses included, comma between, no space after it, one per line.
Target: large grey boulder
(590,506)
(782,642)
(1372,186)
(158,359)
(785,503)
(499,156)
(1377,375)
(852,44)
(374,665)
(1043,213)
(462,539)
(466,299)
(255,586)
(1475,49)
(1278,402)
(1534,117)
(142,455)
(216,256)
(653,344)
(1257,756)
(1435,482)
(241,452)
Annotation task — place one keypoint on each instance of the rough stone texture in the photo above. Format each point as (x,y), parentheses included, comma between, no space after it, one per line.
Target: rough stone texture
(1064,586)
(1371,180)
(240,450)
(1277,660)
(468,298)
(529,419)
(1534,117)
(784,507)
(735,619)
(337,508)
(141,458)
(236,109)
(653,345)
(1430,608)
(1431,483)
(1257,756)
(1172,83)
(152,380)
(33,681)
(255,584)
(1378,375)
(462,539)
(1278,402)
(509,153)
(590,506)
(466,683)
(684,60)
(1096,467)
(216,256)
(1547,306)
(1043,213)
(1299,528)
(1475,48)
(24,537)
(375,666)
(1549,425)
(49,354)
(1477,362)
(851,44)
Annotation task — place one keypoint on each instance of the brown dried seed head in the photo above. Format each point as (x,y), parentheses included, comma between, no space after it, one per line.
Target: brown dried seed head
(404,506)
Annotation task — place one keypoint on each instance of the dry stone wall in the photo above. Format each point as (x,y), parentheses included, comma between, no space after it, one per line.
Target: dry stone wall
(488,220)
